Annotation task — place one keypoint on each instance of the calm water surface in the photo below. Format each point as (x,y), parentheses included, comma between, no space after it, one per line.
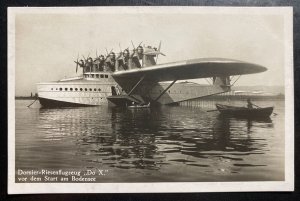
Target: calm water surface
(151,145)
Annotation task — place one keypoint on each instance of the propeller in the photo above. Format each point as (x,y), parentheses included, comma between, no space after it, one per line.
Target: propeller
(108,53)
(134,48)
(137,46)
(158,51)
(120,54)
(77,62)
(84,58)
(154,51)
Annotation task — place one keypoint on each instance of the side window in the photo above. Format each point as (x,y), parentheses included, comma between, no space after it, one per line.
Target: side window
(106,76)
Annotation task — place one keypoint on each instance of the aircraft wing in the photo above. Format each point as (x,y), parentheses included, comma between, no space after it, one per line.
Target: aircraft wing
(190,69)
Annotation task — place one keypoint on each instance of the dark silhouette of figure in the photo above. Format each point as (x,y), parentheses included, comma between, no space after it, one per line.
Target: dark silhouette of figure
(110,61)
(249,103)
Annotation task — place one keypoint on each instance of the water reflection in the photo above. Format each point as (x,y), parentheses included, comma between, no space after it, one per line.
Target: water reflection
(152,138)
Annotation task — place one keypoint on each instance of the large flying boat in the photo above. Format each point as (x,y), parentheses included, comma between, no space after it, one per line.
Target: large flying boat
(133,76)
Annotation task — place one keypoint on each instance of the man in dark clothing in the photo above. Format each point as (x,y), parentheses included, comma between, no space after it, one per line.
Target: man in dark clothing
(249,104)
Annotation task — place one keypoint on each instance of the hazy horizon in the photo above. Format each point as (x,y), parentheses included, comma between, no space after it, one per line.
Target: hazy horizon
(46,44)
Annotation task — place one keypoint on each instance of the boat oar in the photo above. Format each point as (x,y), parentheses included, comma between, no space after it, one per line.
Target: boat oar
(212,110)
(261,107)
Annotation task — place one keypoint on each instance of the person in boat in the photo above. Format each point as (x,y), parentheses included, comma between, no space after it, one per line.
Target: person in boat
(249,104)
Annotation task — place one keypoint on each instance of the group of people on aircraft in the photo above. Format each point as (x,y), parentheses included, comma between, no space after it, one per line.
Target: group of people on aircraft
(123,61)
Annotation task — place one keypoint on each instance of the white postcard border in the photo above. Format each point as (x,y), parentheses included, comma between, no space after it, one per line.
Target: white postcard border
(28,188)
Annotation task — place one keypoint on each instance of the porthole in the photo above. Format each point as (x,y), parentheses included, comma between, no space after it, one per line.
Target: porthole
(76,89)
(71,89)
(66,89)
(85,89)
(95,89)
(102,76)
(52,89)
(99,89)
(56,89)
(60,89)
(91,89)
(106,76)
(80,89)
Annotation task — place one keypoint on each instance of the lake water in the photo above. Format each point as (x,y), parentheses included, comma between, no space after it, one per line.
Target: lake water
(163,144)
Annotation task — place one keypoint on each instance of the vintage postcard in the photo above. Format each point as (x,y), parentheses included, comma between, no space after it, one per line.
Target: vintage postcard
(150,99)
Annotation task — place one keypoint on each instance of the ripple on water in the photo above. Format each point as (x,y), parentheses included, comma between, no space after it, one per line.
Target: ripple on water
(161,144)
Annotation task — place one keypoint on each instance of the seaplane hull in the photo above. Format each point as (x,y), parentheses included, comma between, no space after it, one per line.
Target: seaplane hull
(87,93)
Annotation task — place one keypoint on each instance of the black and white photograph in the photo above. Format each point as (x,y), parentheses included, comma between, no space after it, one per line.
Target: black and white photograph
(150,99)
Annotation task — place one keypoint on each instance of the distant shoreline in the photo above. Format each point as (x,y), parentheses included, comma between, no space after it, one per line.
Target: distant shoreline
(24,98)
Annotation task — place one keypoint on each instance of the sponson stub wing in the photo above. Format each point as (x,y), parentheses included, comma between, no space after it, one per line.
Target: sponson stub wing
(190,69)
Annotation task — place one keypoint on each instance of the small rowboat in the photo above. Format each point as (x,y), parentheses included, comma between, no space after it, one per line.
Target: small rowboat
(244,111)
(139,106)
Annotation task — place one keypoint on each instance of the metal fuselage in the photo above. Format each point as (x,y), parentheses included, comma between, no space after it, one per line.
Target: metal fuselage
(93,89)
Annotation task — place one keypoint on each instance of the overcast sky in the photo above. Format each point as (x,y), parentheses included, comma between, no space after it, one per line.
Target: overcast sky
(48,43)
